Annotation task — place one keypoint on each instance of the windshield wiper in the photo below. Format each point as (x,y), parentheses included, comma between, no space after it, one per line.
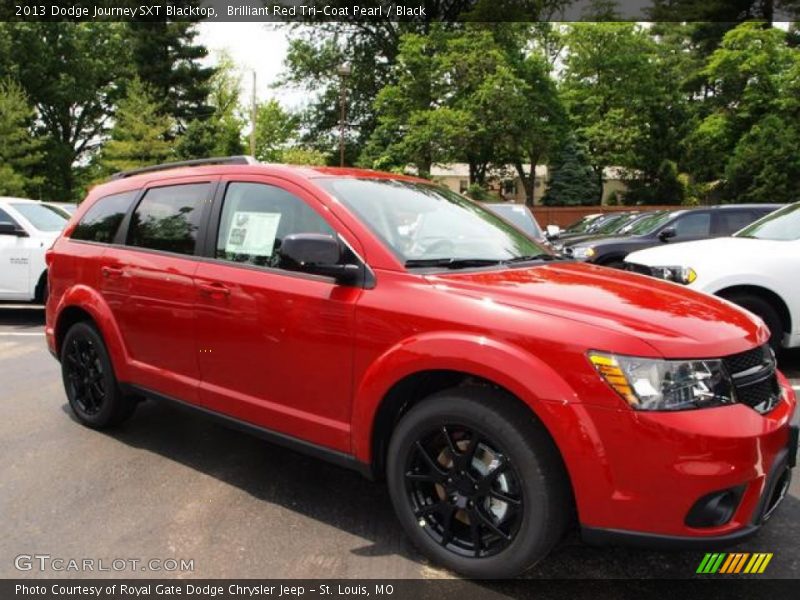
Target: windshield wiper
(463,263)
(452,263)
(543,256)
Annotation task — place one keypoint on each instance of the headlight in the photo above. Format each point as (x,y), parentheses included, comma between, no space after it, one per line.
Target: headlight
(654,384)
(583,253)
(684,275)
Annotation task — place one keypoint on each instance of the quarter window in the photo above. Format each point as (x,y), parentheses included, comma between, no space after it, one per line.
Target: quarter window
(101,221)
(255,219)
(168,218)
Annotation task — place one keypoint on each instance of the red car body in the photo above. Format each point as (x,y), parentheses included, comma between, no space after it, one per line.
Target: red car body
(318,362)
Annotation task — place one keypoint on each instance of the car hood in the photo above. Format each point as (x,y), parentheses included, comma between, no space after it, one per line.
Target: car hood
(676,322)
(689,253)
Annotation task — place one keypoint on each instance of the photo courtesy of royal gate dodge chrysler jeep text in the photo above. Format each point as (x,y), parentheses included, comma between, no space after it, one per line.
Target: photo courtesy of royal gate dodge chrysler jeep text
(389,325)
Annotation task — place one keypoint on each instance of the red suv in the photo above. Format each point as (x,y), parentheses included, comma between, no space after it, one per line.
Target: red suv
(394,327)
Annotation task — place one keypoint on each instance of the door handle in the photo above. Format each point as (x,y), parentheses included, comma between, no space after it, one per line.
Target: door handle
(111,272)
(216,291)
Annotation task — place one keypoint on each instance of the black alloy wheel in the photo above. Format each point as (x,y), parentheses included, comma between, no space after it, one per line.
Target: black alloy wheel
(84,374)
(477,482)
(464,491)
(94,395)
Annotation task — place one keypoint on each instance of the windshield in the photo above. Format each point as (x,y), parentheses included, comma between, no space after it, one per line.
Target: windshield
(582,224)
(650,223)
(519,216)
(422,222)
(615,224)
(782,225)
(41,217)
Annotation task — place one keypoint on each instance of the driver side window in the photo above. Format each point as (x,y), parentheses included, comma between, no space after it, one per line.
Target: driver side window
(255,219)
(7,218)
(693,225)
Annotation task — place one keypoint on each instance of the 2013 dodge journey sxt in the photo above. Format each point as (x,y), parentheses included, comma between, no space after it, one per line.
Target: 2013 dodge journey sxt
(395,327)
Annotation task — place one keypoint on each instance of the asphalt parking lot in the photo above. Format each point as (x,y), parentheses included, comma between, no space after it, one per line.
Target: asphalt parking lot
(169,484)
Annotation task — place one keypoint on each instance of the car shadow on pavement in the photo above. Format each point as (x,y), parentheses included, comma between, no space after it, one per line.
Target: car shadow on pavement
(345,500)
(21,317)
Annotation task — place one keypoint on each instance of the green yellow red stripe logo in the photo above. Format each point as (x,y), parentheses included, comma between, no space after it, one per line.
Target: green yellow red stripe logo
(734,563)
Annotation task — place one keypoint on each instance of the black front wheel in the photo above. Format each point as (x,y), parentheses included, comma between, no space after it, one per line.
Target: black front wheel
(92,389)
(477,483)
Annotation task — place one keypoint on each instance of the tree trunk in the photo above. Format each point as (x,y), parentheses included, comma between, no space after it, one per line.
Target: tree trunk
(527,183)
(599,172)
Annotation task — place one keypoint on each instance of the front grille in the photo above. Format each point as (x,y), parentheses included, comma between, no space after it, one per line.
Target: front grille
(743,361)
(761,396)
(637,268)
(753,374)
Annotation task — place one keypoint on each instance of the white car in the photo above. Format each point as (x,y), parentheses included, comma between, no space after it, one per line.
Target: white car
(757,268)
(27,230)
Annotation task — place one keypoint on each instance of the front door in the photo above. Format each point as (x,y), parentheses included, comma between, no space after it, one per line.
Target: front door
(15,257)
(275,346)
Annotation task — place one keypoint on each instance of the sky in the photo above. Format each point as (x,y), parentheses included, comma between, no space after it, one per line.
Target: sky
(259,47)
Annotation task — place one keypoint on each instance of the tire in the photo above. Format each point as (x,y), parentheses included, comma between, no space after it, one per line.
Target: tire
(91,386)
(762,308)
(429,477)
(42,290)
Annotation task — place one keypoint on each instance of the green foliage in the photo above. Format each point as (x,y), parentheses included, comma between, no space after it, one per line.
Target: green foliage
(73,74)
(571,180)
(623,102)
(19,150)
(303,156)
(140,134)
(166,58)
(765,166)
(276,130)
(667,187)
(220,133)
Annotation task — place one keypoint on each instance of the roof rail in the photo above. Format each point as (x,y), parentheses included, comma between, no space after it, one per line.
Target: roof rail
(217,160)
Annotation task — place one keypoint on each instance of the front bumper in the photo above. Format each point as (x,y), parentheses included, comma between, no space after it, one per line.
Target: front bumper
(650,469)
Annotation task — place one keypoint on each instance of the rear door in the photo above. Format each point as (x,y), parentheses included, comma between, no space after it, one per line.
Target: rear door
(148,281)
(275,346)
(15,256)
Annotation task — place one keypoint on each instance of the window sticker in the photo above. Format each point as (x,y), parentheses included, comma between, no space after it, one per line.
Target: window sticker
(252,233)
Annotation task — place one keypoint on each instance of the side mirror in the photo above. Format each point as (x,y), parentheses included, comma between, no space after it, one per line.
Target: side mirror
(318,254)
(7,228)
(553,231)
(667,234)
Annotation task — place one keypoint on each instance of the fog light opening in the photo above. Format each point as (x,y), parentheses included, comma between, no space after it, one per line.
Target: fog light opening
(715,509)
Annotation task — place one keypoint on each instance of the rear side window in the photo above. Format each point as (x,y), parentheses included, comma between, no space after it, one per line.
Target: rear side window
(731,221)
(168,218)
(101,221)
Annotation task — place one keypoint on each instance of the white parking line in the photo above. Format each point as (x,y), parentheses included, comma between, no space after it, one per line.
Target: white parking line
(21,333)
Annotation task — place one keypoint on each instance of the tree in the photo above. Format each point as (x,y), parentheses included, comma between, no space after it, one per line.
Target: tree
(571,178)
(220,132)
(19,151)
(303,156)
(751,73)
(72,74)
(371,48)
(139,136)
(276,131)
(167,60)
(621,100)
